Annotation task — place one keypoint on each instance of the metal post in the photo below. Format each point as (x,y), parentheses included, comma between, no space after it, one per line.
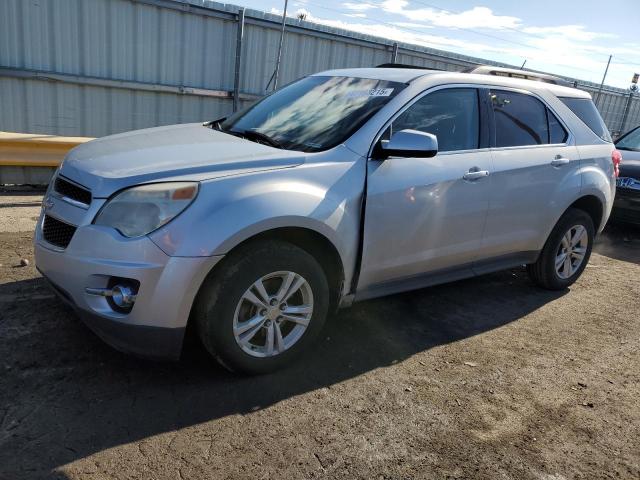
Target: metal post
(602,83)
(236,78)
(394,53)
(623,126)
(284,21)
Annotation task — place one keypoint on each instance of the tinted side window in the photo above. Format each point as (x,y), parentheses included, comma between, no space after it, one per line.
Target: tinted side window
(520,119)
(630,141)
(557,133)
(452,115)
(586,111)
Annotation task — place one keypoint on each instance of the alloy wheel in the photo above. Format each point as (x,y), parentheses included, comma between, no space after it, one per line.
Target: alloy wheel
(571,251)
(273,314)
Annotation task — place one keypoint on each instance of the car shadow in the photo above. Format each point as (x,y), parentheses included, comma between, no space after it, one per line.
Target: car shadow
(620,241)
(65,395)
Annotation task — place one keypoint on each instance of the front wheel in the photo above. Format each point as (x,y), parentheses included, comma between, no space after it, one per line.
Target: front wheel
(566,253)
(263,307)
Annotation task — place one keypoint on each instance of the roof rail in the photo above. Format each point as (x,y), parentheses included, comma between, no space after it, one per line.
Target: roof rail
(514,73)
(404,65)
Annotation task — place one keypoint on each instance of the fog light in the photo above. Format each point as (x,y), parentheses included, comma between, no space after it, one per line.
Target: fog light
(121,296)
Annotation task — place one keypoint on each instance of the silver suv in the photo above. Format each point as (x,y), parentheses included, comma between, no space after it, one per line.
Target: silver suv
(342,186)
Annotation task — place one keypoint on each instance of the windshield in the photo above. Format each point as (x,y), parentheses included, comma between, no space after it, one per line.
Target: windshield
(314,113)
(630,141)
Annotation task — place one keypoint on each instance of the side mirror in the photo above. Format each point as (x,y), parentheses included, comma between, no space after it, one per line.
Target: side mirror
(408,143)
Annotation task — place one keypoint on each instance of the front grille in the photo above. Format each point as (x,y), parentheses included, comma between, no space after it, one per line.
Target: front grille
(56,232)
(72,191)
(628,192)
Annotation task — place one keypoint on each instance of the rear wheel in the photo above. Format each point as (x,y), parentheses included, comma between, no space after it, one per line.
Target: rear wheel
(566,253)
(263,307)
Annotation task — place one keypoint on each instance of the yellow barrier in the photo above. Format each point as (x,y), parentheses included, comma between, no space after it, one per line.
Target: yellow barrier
(35,150)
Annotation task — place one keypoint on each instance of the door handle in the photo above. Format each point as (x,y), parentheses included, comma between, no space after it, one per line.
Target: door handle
(475,174)
(559,161)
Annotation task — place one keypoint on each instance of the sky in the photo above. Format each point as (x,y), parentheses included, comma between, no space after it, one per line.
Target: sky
(566,37)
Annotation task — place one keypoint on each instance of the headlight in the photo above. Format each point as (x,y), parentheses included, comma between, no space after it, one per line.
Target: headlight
(140,210)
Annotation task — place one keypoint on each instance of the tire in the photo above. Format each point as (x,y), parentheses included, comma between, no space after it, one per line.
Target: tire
(226,304)
(544,272)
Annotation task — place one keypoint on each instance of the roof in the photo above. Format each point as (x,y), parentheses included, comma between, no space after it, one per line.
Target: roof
(402,75)
(408,75)
(518,73)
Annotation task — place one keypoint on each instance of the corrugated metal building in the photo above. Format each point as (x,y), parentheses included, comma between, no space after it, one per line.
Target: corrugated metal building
(96,67)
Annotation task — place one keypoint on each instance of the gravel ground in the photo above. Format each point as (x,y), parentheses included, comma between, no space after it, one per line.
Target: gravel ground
(19,211)
(484,378)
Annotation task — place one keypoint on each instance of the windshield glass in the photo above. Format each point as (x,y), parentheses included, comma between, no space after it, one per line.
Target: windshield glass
(314,113)
(631,141)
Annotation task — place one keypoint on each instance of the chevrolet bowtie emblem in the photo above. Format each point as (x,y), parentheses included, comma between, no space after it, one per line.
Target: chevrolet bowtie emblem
(627,182)
(48,203)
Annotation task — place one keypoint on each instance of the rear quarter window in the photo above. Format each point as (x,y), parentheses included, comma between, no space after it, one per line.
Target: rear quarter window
(586,111)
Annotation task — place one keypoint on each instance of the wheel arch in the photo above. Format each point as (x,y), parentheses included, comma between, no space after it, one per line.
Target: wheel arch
(312,241)
(593,206)
(589,203)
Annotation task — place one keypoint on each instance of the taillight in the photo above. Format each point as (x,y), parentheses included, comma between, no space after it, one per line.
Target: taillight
(616,158)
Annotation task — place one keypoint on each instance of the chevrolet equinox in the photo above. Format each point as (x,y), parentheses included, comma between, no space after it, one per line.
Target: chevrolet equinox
(340,187)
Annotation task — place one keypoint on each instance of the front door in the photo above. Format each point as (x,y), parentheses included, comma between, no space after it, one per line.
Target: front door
(425,216)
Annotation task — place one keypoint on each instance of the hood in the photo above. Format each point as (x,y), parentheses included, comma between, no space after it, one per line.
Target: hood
(186,152)
(630,165)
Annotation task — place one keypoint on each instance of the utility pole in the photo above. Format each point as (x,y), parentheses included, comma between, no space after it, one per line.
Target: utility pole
(236,74)
(602,83)
(394,53)
(627,107)
(284,20)
(633,88)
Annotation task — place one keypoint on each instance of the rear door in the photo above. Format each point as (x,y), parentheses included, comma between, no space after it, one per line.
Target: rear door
(536,171)
(426,215)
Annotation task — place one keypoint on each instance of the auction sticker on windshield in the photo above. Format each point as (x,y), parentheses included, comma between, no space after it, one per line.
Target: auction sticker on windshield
(373,92)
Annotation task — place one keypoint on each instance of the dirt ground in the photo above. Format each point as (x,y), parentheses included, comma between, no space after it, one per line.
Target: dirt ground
(486,378)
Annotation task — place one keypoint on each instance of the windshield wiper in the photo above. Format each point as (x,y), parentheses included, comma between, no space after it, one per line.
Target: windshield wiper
(247,134)
(215,124)
(261,137)
(631,149)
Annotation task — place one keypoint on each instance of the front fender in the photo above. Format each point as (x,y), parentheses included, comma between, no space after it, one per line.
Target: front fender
(325,198)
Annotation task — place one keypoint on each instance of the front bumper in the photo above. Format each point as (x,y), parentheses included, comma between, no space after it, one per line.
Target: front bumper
(146,341)
(168,285)
(626,207)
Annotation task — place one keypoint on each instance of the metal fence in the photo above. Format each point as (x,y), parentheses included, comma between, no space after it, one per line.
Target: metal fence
(97,67)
